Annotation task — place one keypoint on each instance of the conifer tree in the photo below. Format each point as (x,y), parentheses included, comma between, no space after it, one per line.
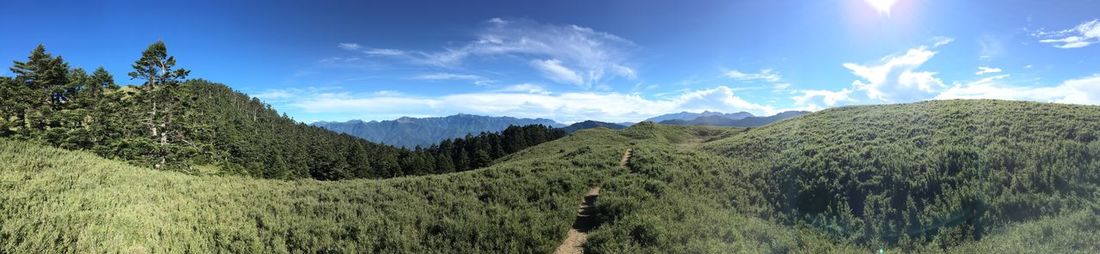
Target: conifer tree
(156,67)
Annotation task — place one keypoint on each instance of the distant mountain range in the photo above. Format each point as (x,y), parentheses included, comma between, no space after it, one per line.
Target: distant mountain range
(592,124)
(688,116)
(410,132)
(722,119)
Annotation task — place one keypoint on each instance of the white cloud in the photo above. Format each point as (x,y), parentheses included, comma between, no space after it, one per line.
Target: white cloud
(895,78)
(384,52)
(273,95)
(349,46)
(815,99)
(1082,35)
(768,75)
(526,100)
(525,88)
(448,76)
(986,70)
(780,86)
(591,55)
(477,80)
(553,70)
(940,41)
(338,60)
(1078,91)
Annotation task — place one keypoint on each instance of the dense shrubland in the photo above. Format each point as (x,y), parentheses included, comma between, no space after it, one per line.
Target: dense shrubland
(958,176)
(60,201)
(942,171)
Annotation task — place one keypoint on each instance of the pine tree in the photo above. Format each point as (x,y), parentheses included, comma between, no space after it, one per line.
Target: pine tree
(156,67)
(43,73)
(101,81)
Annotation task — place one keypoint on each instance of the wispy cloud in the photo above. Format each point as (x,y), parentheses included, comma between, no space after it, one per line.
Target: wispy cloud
(524,100)
(349,46)
(940,41)
(767,75)
(553,70)
(591,56)
(384,52)
(525,88)
(986,70)
(476,79)
(1082,35)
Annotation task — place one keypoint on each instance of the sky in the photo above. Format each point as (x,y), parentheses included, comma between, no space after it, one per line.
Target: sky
(584,60)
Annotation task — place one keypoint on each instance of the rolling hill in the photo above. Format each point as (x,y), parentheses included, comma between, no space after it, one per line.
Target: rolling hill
(722,120)
(688,116)
(591,124)
(964,176)
(410,132)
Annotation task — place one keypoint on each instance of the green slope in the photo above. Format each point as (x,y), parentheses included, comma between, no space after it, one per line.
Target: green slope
(954,176)
(60,201)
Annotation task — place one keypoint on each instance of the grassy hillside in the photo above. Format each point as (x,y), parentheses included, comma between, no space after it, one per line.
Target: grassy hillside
(941,171)
(945,176)
(56,200)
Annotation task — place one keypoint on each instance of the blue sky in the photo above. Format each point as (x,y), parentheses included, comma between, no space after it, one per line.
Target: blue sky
(577,60)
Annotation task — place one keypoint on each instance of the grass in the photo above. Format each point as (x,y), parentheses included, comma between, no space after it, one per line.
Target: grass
(62,201)
(1022,176)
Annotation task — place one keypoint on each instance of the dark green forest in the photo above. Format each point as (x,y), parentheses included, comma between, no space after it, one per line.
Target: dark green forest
(200,127)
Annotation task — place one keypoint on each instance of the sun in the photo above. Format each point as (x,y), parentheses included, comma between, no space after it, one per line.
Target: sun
(882,6)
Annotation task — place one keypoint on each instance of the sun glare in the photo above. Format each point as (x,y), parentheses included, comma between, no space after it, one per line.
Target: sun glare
(882,6)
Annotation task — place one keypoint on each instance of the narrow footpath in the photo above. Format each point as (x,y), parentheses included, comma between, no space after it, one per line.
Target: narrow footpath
(586,218)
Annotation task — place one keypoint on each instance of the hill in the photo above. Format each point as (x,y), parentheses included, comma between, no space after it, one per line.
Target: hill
(938,171)
(410,132)
(750,121)
(69,201)
(205,128)
(591,124)
(941,176)
(688,116)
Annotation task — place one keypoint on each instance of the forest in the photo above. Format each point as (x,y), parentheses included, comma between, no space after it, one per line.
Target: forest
(200,127)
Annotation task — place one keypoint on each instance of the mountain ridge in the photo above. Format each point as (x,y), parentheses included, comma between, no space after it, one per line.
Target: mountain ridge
(589,124)
(687,116)
(751,121)
(410,132)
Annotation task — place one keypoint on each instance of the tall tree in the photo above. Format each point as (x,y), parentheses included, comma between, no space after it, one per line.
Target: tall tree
(156,67)
(43,73)
(101,81)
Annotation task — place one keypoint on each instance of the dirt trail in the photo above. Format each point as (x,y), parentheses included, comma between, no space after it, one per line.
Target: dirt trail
(626,157)
(586,218)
